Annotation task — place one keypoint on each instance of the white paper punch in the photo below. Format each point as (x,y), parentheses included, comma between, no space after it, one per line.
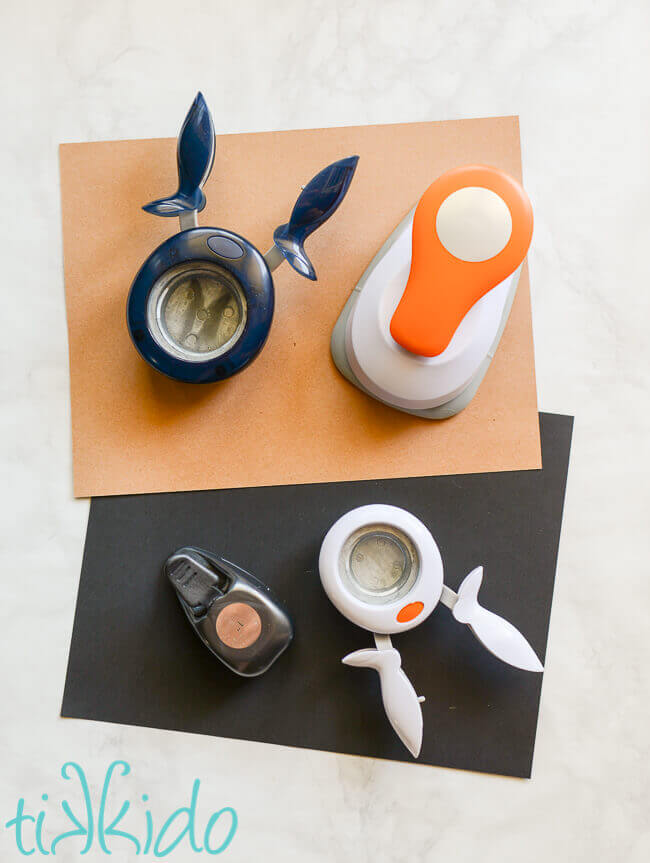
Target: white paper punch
(381,568)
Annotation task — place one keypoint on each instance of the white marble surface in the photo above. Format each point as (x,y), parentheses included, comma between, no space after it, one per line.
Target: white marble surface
(577,72)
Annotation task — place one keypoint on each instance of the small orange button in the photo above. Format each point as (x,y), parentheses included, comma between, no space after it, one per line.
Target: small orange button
(409,612)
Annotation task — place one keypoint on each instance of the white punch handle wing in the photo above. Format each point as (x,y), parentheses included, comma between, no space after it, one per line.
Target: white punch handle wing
(495,633)
(401,702)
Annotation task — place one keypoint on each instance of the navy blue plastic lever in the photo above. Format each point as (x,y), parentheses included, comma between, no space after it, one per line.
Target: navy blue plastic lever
(195,155)
(317,202)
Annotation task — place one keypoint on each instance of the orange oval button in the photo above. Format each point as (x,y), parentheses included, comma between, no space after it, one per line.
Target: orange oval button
(409,612)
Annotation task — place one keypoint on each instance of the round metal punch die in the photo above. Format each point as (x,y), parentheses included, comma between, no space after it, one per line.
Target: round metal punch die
(380,564)
(197,311)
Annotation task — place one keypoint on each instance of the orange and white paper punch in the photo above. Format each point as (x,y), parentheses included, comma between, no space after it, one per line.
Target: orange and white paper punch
(421,327)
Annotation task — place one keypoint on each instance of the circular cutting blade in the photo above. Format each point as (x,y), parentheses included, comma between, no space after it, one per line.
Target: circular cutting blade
(379,563)
(196,311)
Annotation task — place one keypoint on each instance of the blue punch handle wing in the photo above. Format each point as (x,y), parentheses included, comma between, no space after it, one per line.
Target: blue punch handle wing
(317,202)
(195,155)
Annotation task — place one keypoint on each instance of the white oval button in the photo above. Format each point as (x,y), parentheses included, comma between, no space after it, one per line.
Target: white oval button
(474,224)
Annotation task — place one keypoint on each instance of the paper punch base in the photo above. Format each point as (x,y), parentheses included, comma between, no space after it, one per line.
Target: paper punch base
(442,411)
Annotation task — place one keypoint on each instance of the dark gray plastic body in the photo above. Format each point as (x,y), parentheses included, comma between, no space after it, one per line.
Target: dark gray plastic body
(205,584)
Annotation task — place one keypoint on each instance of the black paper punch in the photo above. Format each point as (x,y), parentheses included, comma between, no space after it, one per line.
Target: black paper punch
(234,614)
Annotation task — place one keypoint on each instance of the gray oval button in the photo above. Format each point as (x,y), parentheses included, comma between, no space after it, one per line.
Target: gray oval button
(225,247)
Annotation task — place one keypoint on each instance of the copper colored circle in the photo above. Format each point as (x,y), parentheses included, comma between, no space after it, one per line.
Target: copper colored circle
(238,625)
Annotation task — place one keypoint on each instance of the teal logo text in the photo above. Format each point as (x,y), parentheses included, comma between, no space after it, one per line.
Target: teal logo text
(106,826)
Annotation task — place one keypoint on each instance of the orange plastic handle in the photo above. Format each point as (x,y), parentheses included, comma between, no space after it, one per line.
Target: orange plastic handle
(441,289)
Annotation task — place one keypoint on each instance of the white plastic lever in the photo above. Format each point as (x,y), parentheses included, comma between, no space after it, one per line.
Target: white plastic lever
(401,703)
(495,633)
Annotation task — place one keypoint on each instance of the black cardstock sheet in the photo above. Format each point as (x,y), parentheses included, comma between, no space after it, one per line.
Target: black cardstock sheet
(134,658)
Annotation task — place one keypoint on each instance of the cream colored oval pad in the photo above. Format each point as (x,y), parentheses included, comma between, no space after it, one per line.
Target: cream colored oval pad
(474,224)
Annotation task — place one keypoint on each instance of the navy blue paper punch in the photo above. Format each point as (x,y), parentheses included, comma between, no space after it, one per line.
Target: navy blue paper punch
(201,306)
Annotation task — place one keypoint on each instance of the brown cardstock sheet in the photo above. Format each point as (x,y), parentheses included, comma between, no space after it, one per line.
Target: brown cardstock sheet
(290,417)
